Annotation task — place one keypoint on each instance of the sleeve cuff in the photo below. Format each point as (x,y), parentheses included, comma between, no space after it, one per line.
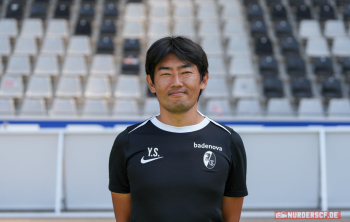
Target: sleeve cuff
(236,193)
(116,189)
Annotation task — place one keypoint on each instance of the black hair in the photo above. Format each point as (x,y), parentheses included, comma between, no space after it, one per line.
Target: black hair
(183,48)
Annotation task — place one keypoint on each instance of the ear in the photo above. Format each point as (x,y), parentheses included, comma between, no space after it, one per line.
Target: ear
(204,82)
(151,86)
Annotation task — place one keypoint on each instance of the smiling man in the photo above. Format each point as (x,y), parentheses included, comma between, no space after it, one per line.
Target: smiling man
(178,165)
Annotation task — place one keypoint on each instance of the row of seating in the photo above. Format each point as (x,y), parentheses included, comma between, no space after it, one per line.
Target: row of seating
(129,86)
(62,107)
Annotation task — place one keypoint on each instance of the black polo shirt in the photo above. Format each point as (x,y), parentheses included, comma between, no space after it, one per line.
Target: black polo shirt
(178,173)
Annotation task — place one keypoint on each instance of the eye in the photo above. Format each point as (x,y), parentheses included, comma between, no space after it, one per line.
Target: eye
(165,74)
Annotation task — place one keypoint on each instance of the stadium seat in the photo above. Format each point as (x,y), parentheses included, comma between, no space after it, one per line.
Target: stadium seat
(103,65)
(310,108)
(185,28)
(263,46)
(7,107)
(39,87)
(108,27)
(238,46)
(38,10)
(341,47)
(5,46)
(268,66)
(183,13)
(158,29)
(280,107)
(79,45)
(18,65)
(125,107)
(295,3)
(64,107)
(241,66)
(317,47)
(26,46)
(248,107)
(95,107)
(212,47)
(334,28)
(57,28)
(130,65)
(301,87)
(273,87)
(110,11)
(62,11)
(132,47)
(135,12)
(133,30)
(209,29)
(326,12)
(14,10)
(74,65)
(245,87)
(160,13)
(127,87)
(342,2)
(83,27)
(272,3)
(309,28)
(8,27)
(289,46)
(233,29)
(216,65)
(303,12)
(278,12)
(250,2)
(151,107)
(32,28)
(207,12)
(69,86)
(331,88)
(232,11)
(339,108)
(258,29)
(319,2)
(216,88)
(283,29)
(346,13)
(53,46)
(11,86)
(323,66)
(296,66)
(33,107)
(105,45)
(86,11)
(97,87)
(255,12)
(218,108)
(47,65)
(346,67)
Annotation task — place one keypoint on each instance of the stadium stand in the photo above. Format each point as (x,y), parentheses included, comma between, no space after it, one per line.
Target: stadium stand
(78,53)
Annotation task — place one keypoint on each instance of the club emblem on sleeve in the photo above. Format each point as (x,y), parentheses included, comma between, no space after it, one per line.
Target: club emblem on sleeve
(209,159)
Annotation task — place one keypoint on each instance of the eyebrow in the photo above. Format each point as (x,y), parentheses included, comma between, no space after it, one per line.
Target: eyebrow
(180,67)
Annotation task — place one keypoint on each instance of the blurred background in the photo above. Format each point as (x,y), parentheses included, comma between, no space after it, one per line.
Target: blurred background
(72,77)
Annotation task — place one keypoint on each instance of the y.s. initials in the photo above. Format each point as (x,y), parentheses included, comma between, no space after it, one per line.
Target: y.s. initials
(152,152)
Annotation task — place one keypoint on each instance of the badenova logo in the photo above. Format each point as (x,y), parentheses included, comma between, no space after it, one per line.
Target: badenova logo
(209,159)
(206,146)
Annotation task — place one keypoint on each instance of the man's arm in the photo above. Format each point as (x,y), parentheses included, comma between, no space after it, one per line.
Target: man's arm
(231,208)
(121,206)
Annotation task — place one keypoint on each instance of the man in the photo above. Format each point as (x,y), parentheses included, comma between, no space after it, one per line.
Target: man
(178,165)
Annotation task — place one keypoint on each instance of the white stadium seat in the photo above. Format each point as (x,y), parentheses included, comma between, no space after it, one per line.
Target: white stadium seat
(216,88)
(95,107)
(212,47)
(7,107)
(53,46)
(135,12)
(334,28)
(79,45)
(238,46)
(103,65)
(309,28)
(132,29)
(209,29)
(279,107)
(216,65)
(18,65)
(317,47)
(341,47)
(47,65)
(63,107)
(184,28)
(151,107)
(32,27)
(158,29)
(8,27)
(5,46)
(57,28)
(218,108)
(128,87)
(339,108)
(11,86)
(245,87)
(248,107)
(125,107)
(69,86)
(33,107)
(26,46)
(39,87)
(74,65)
(241,66)
(98,87)
(310,108)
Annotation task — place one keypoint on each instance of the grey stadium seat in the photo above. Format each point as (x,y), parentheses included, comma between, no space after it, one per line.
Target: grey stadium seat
(245,87)
(47,65)
(218,108)
(64,107)
(98,87)
(310,108)
(69,86)
(11,86)
(8,27)
(279,107)
(212,46)
(7,107)
(39,87)
(26,46)
(216,65)
(128,87)
(241,66)
(79,45)
(341,47)
(248,107)
(18,65)
(238,46)
(5,46)
(125,107)
(57,28)
(339,108)
(74,65)
(53,46)
(32,28)
(103,65)
(216,88)
(151,107)
(95,107)
(309,28)
(33,107)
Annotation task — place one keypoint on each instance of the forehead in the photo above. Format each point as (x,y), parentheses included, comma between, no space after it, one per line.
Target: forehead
(172,61)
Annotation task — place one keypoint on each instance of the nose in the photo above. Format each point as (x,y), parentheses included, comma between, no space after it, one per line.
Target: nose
(176,80)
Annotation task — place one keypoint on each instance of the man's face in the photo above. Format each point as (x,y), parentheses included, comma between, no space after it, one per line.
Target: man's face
(177,84)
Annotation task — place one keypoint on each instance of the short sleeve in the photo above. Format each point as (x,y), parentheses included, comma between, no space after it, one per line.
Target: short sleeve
(118,178)
(236,182)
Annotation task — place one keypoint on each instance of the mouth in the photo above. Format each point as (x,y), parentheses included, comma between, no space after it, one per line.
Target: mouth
(177,93)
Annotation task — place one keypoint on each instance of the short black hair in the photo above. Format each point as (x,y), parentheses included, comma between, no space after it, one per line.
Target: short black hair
(183,48)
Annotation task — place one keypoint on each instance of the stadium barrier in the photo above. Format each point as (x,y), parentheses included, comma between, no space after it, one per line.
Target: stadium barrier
(62,173)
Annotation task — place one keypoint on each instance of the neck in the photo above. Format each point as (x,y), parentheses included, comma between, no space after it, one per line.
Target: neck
(191,117)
